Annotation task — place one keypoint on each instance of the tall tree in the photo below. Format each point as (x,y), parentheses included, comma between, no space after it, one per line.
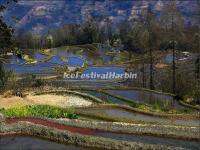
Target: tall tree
(149,22)
(90,30)
(197,62)
(130,37)
(5,31)
(173,27)
(197,71)
(109,31)
(5,40)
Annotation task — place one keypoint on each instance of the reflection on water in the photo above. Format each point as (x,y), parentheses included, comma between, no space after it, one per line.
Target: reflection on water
(55,60)
(141,96)
(106,58)
(73,56)
(38,68)
(99,73)
(147,97)
(104,70)
(169,59)
(78,83)
(151,140)
(38,57)
(122,113)
(32,143)
(75,61)
(104,97)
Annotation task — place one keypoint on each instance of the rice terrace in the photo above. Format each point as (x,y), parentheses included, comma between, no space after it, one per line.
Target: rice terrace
(98,74)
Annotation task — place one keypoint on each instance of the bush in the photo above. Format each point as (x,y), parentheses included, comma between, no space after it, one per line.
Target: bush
(71,116)
(38,83)
(156,106)
(40,111)
(31,81)
(17,112)
(7,78)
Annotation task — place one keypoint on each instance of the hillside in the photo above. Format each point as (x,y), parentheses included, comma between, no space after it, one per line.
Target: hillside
(38,16)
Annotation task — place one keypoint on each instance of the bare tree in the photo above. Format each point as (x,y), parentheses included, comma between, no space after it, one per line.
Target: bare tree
(173,26)
(149,22)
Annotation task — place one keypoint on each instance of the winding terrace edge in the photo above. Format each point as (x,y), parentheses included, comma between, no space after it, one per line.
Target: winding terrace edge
(27,128)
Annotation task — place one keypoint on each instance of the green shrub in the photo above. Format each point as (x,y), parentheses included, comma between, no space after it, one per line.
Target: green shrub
(40,111)
(17,112)
(31,81)
(7,78)
(38,83)
(156,106)
(72,116)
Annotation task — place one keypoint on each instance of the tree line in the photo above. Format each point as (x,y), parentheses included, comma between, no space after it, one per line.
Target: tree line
(144,35)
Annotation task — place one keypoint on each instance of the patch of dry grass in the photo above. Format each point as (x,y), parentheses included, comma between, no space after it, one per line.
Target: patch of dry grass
(10,102)
(46,99)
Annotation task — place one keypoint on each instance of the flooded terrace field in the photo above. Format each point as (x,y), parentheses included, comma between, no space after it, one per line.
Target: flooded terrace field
(33,143)
(121,113)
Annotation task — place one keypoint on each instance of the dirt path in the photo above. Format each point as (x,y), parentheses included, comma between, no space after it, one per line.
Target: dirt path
(52,125)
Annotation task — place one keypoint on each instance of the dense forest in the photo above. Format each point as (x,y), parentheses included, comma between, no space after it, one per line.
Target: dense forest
(134,34)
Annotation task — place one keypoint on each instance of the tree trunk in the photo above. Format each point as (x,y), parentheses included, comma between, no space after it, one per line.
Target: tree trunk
(143,75)
(130,55)
(198,71)
(151,70)
(174,62)
(174,69)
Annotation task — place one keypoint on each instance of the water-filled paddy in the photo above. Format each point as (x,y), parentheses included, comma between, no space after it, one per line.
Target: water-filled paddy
(139,96)
(39,68)
(14,60)
(38,57)
(104,70)
(74,57)
(143,139)
(149,97)
(103,50)
(67,61)
(93,56)
(168,59)
(142,96)
(90,83)
(125,114)
(60,59)
(55,60)
(104,97)
(151,140)
(99,73)
(33,143)
(75,61)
